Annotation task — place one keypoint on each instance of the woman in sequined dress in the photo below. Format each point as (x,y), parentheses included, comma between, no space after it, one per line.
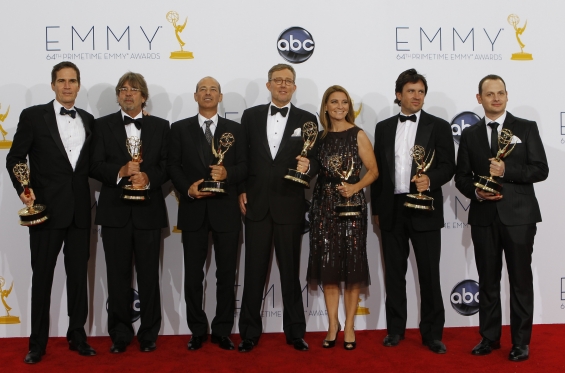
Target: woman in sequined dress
(338,246)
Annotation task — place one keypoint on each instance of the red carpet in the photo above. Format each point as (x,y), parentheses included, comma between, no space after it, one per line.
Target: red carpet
(273,355)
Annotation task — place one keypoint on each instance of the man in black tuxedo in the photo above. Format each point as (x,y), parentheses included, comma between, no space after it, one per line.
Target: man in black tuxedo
(394,139)
(190,162)
(56,138)
(131,228)
(502,222)
(274,208)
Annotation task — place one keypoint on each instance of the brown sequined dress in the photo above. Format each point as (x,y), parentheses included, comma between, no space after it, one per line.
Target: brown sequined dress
(338,246)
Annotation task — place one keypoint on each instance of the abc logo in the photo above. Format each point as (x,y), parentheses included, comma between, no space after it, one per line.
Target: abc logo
(465,297)
(295,45)
(135,306)
(462,121)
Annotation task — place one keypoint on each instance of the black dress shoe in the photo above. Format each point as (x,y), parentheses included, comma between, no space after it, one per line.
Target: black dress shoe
(196,342)
(83,348)
(436,346)
(349,345)
(392,340)
(519,353)
(246,345)
(224,342)
(147,346)
(33,357)
(485,347)
(299,344)
(118,347)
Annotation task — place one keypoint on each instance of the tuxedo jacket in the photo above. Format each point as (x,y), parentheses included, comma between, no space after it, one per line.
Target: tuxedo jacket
(109,154)
(189,160)
(524,166)
(64,191)
(266,187)
(433,133)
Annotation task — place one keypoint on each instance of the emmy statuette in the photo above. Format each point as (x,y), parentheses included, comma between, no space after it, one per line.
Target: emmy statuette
(309,135)
(8,319)
(420,201)
(504,149)
(32,214)
(217,186)
(130,192)
(348,208)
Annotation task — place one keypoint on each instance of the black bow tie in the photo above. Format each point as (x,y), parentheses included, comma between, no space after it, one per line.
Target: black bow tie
(64,111)
(404,118)
(128,120)
(275,110)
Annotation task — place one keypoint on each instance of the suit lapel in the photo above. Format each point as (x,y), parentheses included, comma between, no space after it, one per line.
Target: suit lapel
(51,122)
(483,138)
(87,133)
(195,133)
(390,137)
(423,133)
(293,117)
(262,130)
(509,122)
(147,131)
(116,125)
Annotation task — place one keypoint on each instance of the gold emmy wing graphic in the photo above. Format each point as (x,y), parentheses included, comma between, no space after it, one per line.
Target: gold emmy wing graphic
(514,20)
(361,310)
(8,319)
(174,194)
(4,144)
(173,18)
(357,112)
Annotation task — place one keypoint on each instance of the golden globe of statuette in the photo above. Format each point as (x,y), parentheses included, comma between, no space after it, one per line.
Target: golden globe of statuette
(32,214)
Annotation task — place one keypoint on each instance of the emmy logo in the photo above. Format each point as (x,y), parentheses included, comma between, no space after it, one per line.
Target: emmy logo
(361,310)
(4,144)
(173,18)
(213,185)
(8,319)
(514,20)
(504,149)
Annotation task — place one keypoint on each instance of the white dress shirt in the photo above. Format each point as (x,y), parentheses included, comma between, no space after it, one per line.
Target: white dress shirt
(71,131)
(275,129)
(214,119)
(500,120)
(403,143)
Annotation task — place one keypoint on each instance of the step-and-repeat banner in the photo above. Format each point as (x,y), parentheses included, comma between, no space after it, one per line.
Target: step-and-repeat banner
(360,44)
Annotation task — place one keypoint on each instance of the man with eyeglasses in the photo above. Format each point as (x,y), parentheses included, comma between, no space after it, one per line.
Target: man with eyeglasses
(274,208)
(131,229)
(56,138)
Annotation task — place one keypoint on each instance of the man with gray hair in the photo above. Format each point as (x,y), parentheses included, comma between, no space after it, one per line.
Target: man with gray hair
(131,229)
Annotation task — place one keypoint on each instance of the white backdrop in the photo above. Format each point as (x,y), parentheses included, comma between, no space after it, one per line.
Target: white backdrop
(361,44)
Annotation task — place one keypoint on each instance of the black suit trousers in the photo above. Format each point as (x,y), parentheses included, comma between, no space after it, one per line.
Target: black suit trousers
(259,236)
(45,246)
(517,242)
(195,246)
(427,250)
(122,246)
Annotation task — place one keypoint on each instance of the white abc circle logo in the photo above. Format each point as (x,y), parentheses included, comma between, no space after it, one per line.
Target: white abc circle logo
(465,297)
(295,45)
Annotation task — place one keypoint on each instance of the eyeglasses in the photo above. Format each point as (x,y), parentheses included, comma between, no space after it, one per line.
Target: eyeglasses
(279,81)
(126,89)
